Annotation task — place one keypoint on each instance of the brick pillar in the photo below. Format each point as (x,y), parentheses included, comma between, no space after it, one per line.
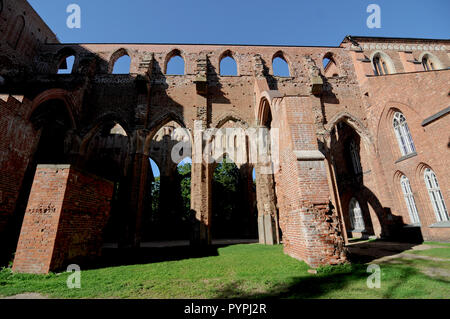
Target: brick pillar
(201,175)
(139,170)
(267,210)
(311,228)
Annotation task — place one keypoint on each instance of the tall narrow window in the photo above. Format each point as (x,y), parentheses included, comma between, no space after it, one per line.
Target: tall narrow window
(228,66)
(356,217)
(436,198)
(409,199)
(403,134)
(354,153)
(280,66)
(427,63)
(380,66)
(122,65)
(175,65)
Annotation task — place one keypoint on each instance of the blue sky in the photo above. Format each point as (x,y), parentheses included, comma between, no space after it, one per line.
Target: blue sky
(282,22)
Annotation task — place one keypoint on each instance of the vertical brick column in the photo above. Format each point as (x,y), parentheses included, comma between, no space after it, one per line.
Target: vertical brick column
(139,168)
(311,228)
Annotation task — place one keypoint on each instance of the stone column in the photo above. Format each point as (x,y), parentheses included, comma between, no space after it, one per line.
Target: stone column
(267,209)
(201,175)
(138,188)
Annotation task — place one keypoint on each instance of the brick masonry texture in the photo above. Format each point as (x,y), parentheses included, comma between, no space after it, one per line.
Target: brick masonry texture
(63,223)
(109,125)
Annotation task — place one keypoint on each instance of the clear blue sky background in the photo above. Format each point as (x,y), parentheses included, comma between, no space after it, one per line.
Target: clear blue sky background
(282,22)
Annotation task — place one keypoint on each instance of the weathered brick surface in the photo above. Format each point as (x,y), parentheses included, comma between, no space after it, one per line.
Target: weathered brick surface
(64,220)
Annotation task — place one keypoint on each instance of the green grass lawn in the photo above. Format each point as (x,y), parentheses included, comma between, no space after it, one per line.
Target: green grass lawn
(238,271)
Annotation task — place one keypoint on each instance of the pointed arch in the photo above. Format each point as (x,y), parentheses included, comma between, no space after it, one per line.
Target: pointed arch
(108,119)
(330,67)
(227,64)
(159,123)
(430,62)
(115,56)
(169,57)
(354,122)
(61,60)
(382,63)
(281,65)
(54,94)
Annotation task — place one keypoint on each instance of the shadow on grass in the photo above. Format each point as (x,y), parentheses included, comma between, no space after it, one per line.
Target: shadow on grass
(112,257)
(341,279)
(364,252)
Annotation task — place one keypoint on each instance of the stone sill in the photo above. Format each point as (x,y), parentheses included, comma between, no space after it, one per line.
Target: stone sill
(445,224)
(405,157)
(412,225)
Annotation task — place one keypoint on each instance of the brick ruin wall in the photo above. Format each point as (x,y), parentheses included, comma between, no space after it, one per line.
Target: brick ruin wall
(147,98)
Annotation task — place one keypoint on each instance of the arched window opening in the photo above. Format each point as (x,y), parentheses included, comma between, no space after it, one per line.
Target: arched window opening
(381,65)
(403,134)
(122,65)
(354,153)
(117,129)
(280,66)
(16,31)
(356,217)
(66,65)
(175,66)
(228,66)
(329,66)
(437,200)
(427,64)
(430,62)
(409,199)
(230,215)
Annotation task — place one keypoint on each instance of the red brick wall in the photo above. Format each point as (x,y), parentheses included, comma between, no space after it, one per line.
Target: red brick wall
(17,141)
(406,93)
(63,223)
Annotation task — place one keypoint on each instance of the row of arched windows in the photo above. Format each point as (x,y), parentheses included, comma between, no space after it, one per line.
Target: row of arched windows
(406,145)
(434,192)
(176,65)
(382,63)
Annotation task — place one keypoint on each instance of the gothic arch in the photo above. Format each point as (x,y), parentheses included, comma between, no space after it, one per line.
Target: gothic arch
(115,56)
(282,55)
(160,122)
(385,121)
(98,124)
(54,94)
(230,117)
(170,55)
(385,57)
(354,122)
(229,54)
